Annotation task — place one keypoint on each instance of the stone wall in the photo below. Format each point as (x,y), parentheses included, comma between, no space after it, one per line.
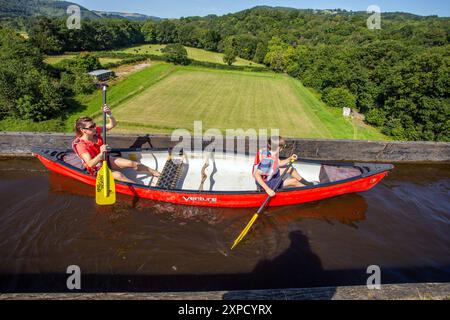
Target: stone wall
(20,144)
(407,291)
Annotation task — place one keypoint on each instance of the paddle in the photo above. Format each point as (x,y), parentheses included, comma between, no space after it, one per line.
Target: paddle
(261,208)
(105,186)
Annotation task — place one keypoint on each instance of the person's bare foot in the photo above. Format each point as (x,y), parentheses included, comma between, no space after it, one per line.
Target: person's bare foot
(155,173)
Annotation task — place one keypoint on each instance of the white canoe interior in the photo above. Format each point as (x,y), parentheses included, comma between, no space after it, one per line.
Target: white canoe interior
(208,172)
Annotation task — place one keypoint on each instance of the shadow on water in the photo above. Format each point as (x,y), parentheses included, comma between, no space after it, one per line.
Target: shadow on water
(306,269)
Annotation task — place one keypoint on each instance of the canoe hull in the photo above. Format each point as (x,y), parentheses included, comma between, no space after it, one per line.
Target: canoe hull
(225,199)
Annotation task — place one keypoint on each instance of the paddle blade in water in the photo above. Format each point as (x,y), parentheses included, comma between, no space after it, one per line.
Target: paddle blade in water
(105,188)
(245,231)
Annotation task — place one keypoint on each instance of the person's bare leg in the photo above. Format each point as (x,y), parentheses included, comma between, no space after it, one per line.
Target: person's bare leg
(292,182)
(143,168)
(121,163)
(294,173)
(119,176)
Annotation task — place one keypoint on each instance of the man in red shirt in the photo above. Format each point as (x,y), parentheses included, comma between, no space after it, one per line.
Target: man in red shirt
(89,147)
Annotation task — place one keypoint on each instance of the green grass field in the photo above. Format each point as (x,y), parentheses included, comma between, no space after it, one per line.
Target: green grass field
(55,59)
(178,96)
(193,53)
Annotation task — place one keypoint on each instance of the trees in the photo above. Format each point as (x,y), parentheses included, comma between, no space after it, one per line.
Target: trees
(42,102)
(176,53)
(165,32)
(339,98)
(230,52)
(275,54)
(148,30)
(210,40)
(260,52)
(74,73)
(245,45)
(27,90)
(45,35)
(416,96)
(85,62)
(51,36)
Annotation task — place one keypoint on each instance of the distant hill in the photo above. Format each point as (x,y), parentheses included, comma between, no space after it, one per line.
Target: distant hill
(128,16)
(58,9)
(49,8)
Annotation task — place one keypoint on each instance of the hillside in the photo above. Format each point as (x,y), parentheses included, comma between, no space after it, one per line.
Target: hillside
(49,8)
(57,9)
(123,15)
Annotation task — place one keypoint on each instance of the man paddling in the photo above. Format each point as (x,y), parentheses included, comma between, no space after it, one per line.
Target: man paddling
(268,168)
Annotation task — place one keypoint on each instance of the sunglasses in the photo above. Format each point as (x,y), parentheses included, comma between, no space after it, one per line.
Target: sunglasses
(282,147)
(91,127)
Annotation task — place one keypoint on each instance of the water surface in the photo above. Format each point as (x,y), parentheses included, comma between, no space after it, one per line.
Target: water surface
(48,222)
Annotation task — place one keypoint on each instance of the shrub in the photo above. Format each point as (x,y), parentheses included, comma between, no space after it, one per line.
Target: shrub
(376,117)
(83,84)
(339,98)
(176,54)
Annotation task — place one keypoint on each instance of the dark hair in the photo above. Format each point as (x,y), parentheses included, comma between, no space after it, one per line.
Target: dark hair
(276,140)
(79,124)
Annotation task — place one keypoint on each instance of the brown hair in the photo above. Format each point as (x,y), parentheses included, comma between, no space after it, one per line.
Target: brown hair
(276,140)
(79,124)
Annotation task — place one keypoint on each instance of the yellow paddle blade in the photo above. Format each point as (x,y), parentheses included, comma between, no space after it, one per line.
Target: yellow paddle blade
(105,188)
(245,231)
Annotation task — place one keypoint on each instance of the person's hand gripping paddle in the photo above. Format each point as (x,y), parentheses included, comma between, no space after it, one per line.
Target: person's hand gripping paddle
(105,188)
(263,205)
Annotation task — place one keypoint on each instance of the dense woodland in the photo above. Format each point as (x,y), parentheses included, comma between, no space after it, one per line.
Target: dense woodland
(397,76)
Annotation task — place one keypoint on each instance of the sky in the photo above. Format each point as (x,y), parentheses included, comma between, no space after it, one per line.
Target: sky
(185,8)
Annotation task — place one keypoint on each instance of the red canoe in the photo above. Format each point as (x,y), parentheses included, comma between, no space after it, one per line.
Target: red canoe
(219,180)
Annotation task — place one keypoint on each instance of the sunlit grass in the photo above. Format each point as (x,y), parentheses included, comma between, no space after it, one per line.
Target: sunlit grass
(232,100)
(193,53)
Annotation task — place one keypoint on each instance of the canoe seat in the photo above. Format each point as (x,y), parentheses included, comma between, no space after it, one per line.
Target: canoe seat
(72,159)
